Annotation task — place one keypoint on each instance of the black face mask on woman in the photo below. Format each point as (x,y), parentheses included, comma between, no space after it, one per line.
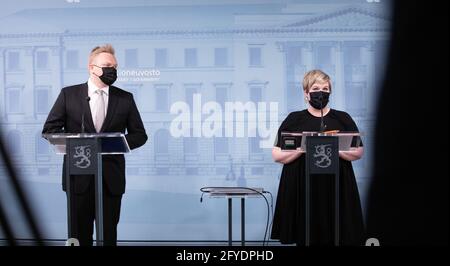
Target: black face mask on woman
(319,99)
(109,75)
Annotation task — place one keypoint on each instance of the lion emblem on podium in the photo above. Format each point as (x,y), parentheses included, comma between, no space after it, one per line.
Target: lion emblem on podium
(84,154)
(323,153)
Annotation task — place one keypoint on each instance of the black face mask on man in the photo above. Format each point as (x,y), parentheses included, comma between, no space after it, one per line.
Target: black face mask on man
(109,75)
(319,99)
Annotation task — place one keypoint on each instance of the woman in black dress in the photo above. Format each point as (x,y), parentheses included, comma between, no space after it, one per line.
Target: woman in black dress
(289,217)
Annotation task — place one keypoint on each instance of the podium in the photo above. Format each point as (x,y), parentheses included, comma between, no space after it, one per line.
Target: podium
(84,157)
(322,157)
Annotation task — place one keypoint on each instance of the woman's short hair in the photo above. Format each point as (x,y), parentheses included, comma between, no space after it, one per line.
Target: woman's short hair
(107,48)
(315,76)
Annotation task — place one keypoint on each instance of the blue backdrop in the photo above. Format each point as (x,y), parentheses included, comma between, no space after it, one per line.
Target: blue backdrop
(212,79)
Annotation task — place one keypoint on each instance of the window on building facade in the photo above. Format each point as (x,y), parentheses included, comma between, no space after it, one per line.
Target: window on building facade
(161,99)
(42,100)
(294,56)
(254,145)
(72,59)
(323,55)
(220,57)
(189,93)
(131,58)
(222,95)
(255,94)
(190,145)
(42,58)
(42,147)
(352,55)
(135,89)
(13,61)
(355,98)
(14,100)
(221,145)
(161,59)
(190,57)
(255,56)
(14,141)
(161,142)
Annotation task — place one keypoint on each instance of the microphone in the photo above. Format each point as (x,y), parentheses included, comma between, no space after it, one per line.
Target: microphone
(322,126)
(82,116)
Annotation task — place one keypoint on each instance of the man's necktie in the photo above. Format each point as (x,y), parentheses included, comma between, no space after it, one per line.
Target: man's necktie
(100,112)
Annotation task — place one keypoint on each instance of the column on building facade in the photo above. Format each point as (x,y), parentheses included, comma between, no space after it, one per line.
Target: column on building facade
(56,69)
(308,56)
(283,100)
(308,62)
(368,59)
(29,80)
(339,77)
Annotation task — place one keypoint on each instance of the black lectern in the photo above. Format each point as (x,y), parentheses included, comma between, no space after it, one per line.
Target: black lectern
(322,157)
(84,157)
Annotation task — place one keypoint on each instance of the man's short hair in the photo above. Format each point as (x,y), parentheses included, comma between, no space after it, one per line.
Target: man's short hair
(107,48)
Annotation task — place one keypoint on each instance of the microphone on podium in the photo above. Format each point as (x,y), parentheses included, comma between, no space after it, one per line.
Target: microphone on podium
(322,125)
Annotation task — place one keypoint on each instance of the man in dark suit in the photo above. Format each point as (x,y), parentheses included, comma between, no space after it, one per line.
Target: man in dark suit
(105,108)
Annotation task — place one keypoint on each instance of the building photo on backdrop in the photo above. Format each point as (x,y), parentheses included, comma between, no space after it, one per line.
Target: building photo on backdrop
(212,82)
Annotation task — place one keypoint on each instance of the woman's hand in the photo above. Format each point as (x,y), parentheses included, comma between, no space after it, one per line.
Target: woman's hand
(285,156)
(352,154)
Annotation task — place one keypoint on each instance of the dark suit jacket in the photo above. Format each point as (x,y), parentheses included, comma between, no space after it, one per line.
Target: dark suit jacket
(122,114)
